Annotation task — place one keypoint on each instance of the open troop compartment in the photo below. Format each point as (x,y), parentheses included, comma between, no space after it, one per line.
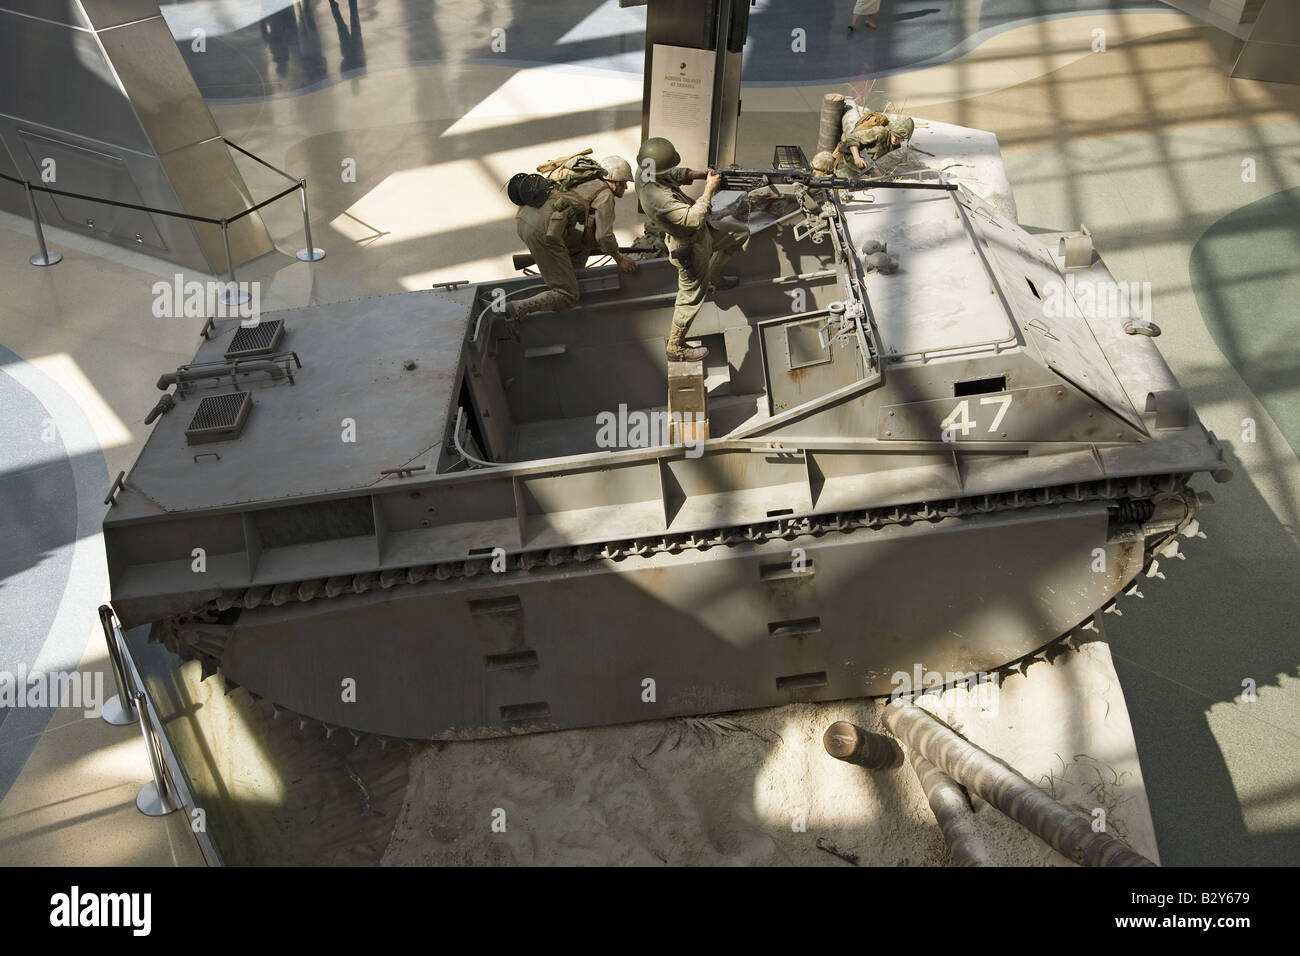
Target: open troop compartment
(548,394)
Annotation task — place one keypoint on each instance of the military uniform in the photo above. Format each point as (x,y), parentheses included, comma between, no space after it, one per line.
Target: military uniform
(697,249)
(557,236)
(872,138)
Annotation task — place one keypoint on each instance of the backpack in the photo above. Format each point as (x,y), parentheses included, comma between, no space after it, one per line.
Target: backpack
(564,173)
(868,120)
(573,171)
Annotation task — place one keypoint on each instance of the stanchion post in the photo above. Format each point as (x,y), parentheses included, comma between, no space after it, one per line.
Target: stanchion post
(311,253)
(44,257)
(232,295)
(156,798)
(118,710)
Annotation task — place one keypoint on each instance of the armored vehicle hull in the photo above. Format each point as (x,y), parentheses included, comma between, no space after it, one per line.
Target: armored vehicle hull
(411,524)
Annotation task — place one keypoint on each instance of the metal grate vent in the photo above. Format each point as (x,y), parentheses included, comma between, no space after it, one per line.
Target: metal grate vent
(789,157)
(258,340)
(219,418)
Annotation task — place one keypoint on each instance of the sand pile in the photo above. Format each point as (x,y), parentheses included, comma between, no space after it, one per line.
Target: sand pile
(751,788)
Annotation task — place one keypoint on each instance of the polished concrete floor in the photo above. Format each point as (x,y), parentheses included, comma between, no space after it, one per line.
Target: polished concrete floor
(1145,143)
(284,47)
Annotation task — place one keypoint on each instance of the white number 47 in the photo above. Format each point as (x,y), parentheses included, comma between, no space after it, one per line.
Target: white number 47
(959,420)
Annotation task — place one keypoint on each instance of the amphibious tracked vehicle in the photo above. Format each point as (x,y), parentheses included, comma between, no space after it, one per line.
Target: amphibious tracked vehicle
(391,515)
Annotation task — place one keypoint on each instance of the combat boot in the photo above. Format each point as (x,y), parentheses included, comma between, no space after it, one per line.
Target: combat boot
(679,351)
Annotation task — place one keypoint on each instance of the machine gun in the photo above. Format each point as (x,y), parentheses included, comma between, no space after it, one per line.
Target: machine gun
(746,180)
(790,168)
(792,190)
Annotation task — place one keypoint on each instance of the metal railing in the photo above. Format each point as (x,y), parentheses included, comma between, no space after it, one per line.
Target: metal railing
(168,790)
(308,254)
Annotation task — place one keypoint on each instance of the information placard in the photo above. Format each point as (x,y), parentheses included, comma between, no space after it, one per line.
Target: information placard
(681,100)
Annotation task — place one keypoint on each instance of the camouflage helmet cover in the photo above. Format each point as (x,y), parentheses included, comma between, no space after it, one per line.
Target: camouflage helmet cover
(616,169)
(902,127)
(823,162)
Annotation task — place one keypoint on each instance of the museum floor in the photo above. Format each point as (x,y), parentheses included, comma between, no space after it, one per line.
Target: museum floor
(1146,143)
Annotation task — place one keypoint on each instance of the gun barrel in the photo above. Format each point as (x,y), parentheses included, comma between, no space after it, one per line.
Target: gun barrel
(747,179)
(904,184)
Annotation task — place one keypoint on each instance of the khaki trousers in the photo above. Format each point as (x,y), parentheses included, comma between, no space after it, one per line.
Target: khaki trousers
(699,264)
(555,261)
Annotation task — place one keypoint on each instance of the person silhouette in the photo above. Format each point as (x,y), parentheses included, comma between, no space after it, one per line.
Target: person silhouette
(280,31)
(350,43)
(866,8)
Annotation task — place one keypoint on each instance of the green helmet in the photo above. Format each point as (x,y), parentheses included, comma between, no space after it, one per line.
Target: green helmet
(661,153)
(902,127)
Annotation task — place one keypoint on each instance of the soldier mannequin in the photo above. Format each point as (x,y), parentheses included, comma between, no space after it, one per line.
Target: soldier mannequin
(697,249)
(558,237)
(874,140)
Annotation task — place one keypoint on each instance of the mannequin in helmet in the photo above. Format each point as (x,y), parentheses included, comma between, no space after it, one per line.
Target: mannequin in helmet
(875,140)
(698,249)
(563,233)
